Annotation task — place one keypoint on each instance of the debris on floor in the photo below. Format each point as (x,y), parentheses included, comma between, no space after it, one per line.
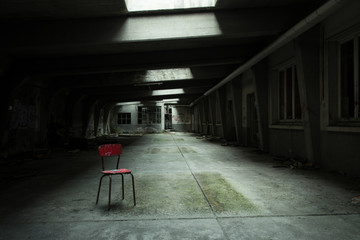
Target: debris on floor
(293,163)
(231,144)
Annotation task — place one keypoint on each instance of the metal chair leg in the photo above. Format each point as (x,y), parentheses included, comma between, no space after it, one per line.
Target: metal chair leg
(133,184)
(109,192)
(122,181)
(98,194)
(123,191)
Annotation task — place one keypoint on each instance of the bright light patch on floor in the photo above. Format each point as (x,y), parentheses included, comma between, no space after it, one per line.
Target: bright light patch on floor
(153,5)
(167,92)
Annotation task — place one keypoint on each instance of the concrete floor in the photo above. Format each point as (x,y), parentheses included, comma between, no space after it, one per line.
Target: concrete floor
(187,188)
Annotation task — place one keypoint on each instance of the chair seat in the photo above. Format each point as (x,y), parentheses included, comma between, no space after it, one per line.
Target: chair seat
(117,171)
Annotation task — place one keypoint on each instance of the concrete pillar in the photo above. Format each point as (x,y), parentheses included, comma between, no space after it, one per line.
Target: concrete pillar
(220,133)
(221,96)
(106,122)
(202,117)
(236,92)
(97,111)
(307,54)
(227,112)
(197,118)
(87,114)
(260,77)
(212,111)
(207,120)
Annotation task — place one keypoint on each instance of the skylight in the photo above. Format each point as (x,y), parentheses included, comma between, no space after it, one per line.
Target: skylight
(168,74)
(153,5)
(167,92)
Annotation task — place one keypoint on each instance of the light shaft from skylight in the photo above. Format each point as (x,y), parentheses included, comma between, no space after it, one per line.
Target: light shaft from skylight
(154,5)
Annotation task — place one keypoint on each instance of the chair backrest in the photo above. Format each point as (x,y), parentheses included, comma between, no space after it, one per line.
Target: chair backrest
(107,150)
(110,150)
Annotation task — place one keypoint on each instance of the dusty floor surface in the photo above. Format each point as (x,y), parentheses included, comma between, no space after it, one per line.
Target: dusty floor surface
(186,188)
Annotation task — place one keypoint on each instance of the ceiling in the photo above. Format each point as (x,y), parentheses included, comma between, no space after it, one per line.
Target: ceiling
(98,50)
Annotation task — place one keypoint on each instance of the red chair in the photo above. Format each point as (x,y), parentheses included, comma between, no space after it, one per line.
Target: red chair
(108,150)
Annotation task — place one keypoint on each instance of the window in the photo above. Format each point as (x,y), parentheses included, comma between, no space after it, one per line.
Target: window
(124,118)
(149,115)
(289,98)
(349,79)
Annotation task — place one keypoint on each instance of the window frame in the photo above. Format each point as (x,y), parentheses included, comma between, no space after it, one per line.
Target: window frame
(332,119)
(149,115)
(282,115)
(124,116)
(356,80)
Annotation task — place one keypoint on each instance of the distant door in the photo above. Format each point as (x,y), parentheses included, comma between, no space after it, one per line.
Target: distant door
(168,118)
(252,121)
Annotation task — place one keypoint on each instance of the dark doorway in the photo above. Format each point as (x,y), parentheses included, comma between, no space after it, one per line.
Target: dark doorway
(168,117)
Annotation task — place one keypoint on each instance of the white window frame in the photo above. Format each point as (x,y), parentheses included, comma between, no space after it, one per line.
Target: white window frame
(356,41)
(285,119)
(148,115)
(126,118)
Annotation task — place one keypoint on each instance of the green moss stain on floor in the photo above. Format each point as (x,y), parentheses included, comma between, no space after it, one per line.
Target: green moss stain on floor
(162,195)
(222,196)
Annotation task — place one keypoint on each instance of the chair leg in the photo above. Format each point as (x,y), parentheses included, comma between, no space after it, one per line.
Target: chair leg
(133,184)
(98,194)
(110,180)
(122,181)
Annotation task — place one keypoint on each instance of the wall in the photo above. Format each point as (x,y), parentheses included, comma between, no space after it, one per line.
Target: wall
(339,143)
(134,127)
(335,143)
(286,141)
(27,126)
(181,118)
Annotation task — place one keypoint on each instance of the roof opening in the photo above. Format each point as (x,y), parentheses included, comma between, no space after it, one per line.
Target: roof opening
(154,5)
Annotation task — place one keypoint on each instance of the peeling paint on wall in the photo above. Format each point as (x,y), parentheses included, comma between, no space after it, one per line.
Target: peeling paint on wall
(181,116)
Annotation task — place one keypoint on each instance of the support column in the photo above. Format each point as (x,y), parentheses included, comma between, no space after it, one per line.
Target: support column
(212,110)
(221,95)
(260,77)
(106,124)
(202,116)
(237,107)
(88,112)
(307,53)
(97,111)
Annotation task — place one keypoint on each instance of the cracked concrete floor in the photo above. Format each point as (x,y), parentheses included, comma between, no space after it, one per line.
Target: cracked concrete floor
(186,188)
